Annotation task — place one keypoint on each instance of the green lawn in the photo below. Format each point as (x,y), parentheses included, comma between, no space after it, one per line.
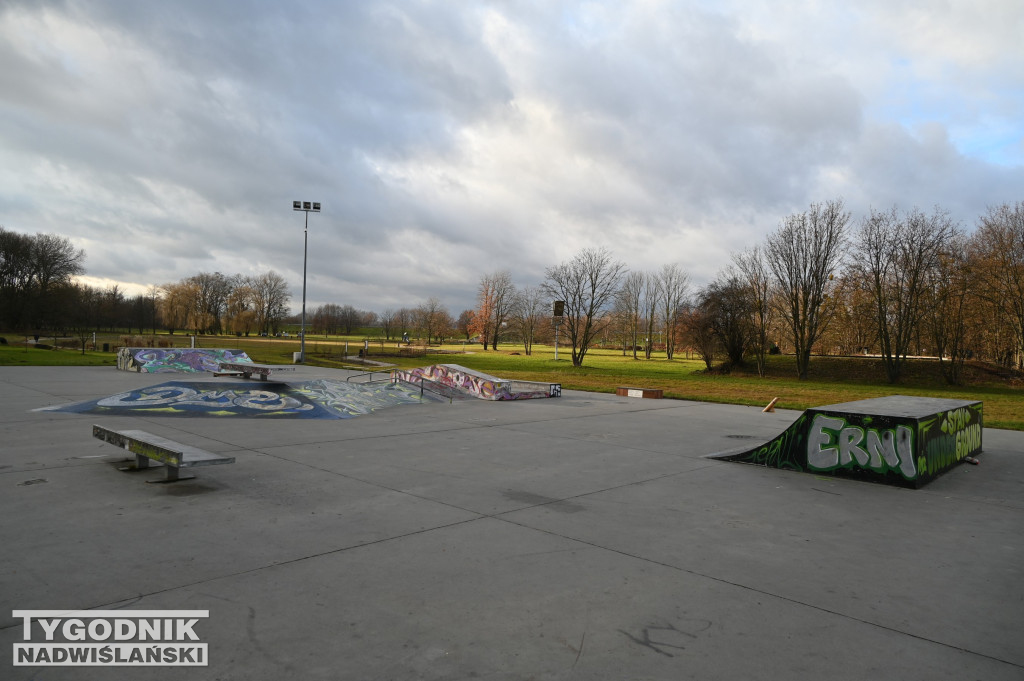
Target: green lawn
(832,379)
(33,356)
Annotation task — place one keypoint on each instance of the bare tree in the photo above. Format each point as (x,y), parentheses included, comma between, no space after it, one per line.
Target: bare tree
(54,261)
(674,284)
(587,283)
(725,304)
(946,299)
(526,314)
(387,322)
(83,315)
(751,267)
(212,291)
(802,255)
(270,300)
(350,318)
(853,328)
(326,319)
(894,255)
(405,318)
(464,323)
(240,311)
(496,297)
(649,303)
(998,253)
(433,319)
(179,307)
(628,305)
(36,274)
(697,329)
(112,307)
(482,323)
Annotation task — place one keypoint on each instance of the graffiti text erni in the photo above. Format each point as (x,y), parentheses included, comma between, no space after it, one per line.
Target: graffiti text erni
(833,443)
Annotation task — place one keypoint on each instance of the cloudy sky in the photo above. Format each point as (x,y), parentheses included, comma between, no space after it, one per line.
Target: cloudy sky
(449,139)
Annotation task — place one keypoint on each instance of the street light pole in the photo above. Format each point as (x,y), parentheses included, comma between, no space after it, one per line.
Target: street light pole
(306,207)
(558,308)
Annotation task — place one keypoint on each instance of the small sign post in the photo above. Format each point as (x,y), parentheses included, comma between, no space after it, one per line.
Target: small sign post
(559,308)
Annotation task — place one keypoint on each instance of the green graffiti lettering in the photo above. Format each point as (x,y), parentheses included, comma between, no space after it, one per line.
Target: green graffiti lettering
(833,443)
(956,420)
(968,441)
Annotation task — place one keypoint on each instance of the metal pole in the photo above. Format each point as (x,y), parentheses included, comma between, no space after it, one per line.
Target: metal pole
(305,251)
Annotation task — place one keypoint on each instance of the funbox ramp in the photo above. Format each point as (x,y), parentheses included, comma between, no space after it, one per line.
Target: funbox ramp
(898,439)
(477,384)
(176,360)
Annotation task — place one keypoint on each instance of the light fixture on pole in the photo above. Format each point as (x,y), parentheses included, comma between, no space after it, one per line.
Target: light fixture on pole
(306,207)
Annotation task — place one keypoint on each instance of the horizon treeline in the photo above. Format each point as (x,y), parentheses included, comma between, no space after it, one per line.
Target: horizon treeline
(893,283)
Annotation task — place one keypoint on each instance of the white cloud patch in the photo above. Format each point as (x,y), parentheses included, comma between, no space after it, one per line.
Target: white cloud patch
(446,141)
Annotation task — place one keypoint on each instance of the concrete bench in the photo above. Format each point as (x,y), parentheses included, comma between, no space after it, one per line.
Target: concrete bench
(247,369)
(174,455)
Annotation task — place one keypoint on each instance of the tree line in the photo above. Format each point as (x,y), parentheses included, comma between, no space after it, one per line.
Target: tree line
(214,303)
(895,283)
(35,273)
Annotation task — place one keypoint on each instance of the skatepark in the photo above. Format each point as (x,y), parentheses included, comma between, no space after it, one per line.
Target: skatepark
(586,536)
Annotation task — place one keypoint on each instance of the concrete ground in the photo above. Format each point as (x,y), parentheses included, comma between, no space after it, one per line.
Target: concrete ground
(582,537)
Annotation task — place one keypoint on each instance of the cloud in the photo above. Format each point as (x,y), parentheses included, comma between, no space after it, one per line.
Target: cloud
(446,141)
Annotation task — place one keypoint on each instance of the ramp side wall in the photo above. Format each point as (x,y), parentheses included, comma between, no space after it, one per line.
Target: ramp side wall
(909,451)
(177,360)
(479,385)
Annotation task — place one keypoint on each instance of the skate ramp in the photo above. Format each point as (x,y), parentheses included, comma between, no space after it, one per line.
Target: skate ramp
(318,399)
(477,384)
(899,439)
(176,360)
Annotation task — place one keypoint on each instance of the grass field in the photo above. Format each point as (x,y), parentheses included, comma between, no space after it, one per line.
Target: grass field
(831,380)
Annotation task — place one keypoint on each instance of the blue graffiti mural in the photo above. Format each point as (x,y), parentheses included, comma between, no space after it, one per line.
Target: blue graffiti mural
(320,399)
(185,398)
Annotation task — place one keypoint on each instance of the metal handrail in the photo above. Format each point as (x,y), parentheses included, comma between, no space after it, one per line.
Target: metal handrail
(369,373)
(423,385)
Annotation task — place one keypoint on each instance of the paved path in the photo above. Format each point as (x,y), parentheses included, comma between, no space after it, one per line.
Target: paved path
(583,537)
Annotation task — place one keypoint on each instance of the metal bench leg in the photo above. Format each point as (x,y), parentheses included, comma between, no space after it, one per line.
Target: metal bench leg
(141,461)
(173,474)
